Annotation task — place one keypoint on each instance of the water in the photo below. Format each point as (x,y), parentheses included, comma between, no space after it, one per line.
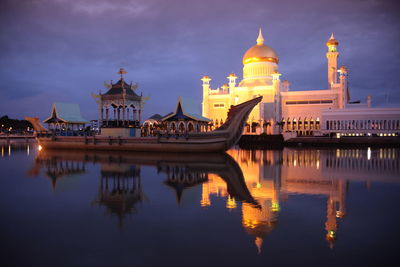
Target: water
(291,207)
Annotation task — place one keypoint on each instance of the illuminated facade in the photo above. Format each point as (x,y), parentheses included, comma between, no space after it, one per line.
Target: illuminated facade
(293,113)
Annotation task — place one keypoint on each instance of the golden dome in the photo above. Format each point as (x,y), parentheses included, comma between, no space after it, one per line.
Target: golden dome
(332,41)
(260,52)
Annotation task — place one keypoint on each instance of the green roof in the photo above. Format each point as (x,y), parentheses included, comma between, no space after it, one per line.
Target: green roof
(66,112)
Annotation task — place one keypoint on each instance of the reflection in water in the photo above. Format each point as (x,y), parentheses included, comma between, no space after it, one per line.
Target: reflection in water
(120,188)
(56,168)
(254,181)
(180,176)
(11,145)
(272,176)
(120,184)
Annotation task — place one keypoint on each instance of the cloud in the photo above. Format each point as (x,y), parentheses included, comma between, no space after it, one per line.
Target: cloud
(103,7)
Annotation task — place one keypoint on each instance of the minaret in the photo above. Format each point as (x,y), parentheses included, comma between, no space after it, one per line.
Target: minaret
(277,100)
(341,213)
(332,56)
(206,87)
(232,81)
(344,90)
(330,225)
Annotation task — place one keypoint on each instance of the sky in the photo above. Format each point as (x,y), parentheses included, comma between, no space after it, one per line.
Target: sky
(64,50)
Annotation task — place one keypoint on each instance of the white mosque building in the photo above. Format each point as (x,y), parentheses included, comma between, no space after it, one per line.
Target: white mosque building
(295,113)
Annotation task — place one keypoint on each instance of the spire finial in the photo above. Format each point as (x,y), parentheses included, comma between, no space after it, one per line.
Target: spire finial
(260,38)
(332,37)
(122,71)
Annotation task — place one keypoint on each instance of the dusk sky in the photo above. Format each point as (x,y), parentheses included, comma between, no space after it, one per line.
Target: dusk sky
(64,50)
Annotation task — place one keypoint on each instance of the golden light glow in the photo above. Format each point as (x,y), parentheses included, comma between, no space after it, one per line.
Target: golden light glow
(205,203)
(331,234)
(2,151)
(40,147)
(260,59)
(205,78)
(275,206)
(231,203)
(250,223)
(332,42)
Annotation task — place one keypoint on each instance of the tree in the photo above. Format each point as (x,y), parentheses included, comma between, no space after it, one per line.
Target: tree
(280,124)
(266,124)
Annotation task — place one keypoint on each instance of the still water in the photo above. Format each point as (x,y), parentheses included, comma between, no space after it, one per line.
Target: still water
(304,207)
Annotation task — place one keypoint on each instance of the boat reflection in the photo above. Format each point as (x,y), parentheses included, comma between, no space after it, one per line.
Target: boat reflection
(256,182)
(120,179)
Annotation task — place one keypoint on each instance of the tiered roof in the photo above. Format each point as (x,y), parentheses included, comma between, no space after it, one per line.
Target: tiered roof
(118,89)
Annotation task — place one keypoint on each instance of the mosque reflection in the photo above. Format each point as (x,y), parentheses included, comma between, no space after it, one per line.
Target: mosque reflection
(256,182)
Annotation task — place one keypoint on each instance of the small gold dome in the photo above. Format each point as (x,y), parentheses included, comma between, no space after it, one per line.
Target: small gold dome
(332,41)
(260,52)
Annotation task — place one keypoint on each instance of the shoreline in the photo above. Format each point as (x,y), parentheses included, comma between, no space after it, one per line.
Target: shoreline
(277,141)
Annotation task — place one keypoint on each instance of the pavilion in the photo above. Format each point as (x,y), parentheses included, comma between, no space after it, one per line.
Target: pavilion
(120,108)
(186,118)
(65,117)
(152,125)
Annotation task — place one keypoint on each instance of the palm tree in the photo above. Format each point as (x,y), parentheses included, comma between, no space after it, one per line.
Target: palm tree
(254,125)
(266,124)
(280,125)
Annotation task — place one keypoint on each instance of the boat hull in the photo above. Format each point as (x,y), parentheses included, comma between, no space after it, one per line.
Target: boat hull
(134,144)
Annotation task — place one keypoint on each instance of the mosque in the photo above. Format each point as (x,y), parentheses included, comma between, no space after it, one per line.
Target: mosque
(295,113)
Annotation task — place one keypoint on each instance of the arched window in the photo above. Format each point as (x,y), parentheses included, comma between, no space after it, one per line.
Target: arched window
(182,127)
(190,127)
(317,124)
(306,124)
(289,125)
(173,127)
